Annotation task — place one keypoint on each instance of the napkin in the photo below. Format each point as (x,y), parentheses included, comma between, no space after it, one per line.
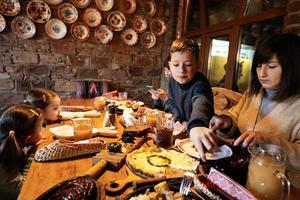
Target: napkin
(129,119)
(65,115)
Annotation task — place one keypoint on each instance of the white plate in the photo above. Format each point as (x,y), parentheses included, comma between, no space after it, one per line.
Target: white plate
(56,29)
(66,132)
(139,24)
(158,26)
(10,7)
(2,23)
(103,34)
(104,5)
(23,27)
(116,20)
(92,17)
(81,3)
(129,37)
(148,39)
(127,6)
(53,2)
(67,13)
(38,11)
(80,31)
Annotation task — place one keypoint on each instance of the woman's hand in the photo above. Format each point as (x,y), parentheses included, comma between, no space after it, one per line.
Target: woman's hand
(204,139)
(250,138)
(158,94)
(220,122)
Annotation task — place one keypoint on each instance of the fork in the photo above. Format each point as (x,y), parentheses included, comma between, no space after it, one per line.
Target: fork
(185,186)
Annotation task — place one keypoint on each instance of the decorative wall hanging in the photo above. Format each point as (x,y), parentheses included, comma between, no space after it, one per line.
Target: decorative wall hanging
(80,31)
(104,5)
(53,2)
(81,3)
(2,23)
(23,27)
(56,29)
(103,34)
(158,26)
(67,13)
(116,20)
(148,39)
(127,6)
(129,37)
(149,7)
(139,23)
(38,11)
(92,17)
(10,7)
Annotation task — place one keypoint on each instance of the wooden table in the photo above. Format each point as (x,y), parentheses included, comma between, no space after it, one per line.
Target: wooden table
(44,175)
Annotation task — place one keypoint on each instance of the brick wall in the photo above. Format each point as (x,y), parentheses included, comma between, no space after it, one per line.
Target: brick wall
(292,19)
(58,64)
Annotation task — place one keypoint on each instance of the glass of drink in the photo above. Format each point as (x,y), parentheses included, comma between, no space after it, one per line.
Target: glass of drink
(83,128)
(122,95)
(99,103)
(164,130)
(266,179)
(151,118)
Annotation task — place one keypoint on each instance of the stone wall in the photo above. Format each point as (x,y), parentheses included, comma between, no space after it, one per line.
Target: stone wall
(59,64)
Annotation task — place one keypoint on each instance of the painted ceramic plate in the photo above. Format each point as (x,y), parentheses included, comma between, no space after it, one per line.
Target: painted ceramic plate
(67,13)
(103,34)
(10,7)
(104,5)
(80,31)
(38,11)
(92,17)
(139,24)
(2,23)
(129,37)
(158,26)
(116,20)
(53,2)
(81,3)
(127,6)
(56,29)
(149,7)
(23,27)
(148,39)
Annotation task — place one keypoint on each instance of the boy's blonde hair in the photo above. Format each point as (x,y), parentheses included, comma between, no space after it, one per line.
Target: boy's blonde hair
(183,44)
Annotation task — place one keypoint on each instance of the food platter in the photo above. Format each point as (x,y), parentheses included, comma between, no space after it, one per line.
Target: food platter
(92,17)
(81,3)
(116,20)
(139,24)
(67,13)
(10,7)
(2,23)
(127,6)
(23,27)
(103,34)
(104,5)
(148,39)
(80,31)
(129,37)
(158,26)
(56,29)
(38,11)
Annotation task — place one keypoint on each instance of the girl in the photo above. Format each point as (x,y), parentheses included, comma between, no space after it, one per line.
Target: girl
(20,128)
(47,100)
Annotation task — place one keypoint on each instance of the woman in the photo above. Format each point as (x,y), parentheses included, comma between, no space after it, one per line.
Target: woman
(270,111)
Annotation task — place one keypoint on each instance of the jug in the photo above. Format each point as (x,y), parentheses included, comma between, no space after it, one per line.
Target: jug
(266,179)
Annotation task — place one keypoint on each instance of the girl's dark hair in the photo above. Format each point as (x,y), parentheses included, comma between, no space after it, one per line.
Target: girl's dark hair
(16,122)
(40,97)
(286,47)
(183,44)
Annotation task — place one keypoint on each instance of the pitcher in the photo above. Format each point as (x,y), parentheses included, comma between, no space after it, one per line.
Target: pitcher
(266,179)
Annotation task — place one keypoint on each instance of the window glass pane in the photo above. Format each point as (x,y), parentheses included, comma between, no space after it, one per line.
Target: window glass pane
(220,11)
(217,61)
(251,36)
(193,19)
(258,6)
(198,40)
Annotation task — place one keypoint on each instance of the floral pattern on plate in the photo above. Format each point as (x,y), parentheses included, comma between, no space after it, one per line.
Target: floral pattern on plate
(38,11)
(56,29)
(148,39)
(23,27)
(116,20)
(67,13)
(53,2)
(148,7)
(2,23)
(10,7)
(158,26)
(103,34)
(104,5)
(81,3)
(129,37)
(80,31)
(139,24)
(92,17)
(127,6)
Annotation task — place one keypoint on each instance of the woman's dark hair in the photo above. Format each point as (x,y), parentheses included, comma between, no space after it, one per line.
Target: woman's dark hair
(286,47)
(40,97)
(183,44)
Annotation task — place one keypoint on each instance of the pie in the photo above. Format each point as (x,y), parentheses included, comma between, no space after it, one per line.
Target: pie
(159,162)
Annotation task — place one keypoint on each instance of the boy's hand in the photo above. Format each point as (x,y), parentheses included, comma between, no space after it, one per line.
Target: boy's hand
(158,94)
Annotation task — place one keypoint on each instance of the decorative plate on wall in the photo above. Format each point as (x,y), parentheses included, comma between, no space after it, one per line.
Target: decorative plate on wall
(148,39)
(127,6)
(67,13)
(104,5)
(116,20)
(139,23)
(53,2)
(104,34)
(92,17)
(81,3)
(10,7)
(38,11)
(158,26)
(23,27)
(80,31)
(149,7)
(129,37)
(2,23)
(56,29)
